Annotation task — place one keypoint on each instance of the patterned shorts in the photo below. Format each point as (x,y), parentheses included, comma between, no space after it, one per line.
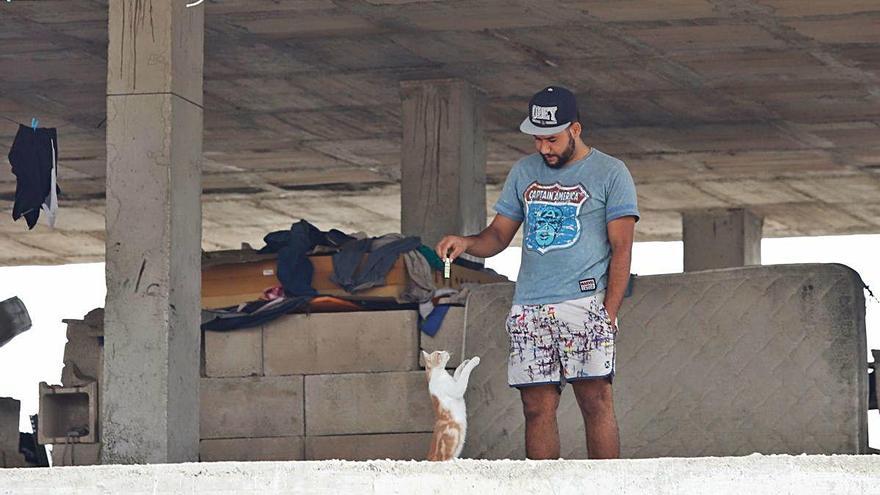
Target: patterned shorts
(561,342)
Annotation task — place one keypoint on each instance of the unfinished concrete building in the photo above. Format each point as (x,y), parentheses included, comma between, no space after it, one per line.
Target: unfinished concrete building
(738,120)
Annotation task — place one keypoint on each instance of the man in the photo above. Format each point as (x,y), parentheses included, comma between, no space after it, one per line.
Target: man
(579,208)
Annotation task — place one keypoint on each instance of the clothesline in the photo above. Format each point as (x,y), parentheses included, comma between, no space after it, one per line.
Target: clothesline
(11,120)
(57,127)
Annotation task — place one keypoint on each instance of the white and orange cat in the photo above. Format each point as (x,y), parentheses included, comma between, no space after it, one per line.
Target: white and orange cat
(447,395)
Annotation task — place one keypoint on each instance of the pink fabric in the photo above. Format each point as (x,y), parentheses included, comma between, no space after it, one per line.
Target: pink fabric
(273,293)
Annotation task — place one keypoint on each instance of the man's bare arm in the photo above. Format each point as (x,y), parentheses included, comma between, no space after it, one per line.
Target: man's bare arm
(491,241)
(620,235)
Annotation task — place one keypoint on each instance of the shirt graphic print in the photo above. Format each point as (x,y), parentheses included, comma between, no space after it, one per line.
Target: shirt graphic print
(552,213)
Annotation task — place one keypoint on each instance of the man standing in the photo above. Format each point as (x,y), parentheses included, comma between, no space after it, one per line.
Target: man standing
(579,209)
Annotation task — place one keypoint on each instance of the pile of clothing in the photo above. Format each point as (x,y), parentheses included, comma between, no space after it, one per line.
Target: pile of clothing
(359,263)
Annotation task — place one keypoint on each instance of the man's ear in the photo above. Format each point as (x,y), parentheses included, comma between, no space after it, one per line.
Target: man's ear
(576,129)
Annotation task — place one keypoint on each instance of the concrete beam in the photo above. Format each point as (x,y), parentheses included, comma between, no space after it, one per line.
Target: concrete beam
(721,238)
(150,399)
(443,159)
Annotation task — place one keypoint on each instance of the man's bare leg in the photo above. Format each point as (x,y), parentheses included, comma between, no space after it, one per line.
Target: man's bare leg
(542,433)
(597,407)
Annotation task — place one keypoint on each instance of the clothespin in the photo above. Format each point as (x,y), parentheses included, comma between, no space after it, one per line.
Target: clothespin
(34,123)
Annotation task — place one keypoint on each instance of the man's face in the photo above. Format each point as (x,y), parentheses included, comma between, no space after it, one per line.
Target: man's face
(556,149)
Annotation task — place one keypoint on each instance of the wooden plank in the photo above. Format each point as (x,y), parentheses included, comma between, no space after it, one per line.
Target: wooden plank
(245,278)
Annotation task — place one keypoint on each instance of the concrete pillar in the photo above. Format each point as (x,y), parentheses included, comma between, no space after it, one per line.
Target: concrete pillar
(443,159)
(721,238)
(150,395)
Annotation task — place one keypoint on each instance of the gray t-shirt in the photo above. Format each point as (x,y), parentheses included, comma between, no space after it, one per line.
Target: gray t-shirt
(565,252)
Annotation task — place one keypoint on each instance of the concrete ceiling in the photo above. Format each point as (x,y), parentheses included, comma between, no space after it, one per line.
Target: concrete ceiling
(769,104)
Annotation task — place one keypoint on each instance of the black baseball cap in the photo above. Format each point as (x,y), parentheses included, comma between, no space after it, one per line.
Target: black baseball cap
(551,111)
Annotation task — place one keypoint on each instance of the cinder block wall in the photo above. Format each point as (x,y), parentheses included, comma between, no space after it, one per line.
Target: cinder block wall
(321,386)
(83,365)
(722,362)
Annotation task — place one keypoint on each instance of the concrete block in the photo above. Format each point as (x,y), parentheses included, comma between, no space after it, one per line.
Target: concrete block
(495,419)
(449,338)
(252,449)
(251,407)
(341,343)
(234,353)
(394,446)
(68,414)
(395,402)
(95,319)
(76,454)
(81,328)
(83,354)
(10,409)
(721,238)
(74,376)
(752,357)
(12,459)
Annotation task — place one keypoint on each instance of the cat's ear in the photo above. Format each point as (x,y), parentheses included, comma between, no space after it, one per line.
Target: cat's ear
(426,356)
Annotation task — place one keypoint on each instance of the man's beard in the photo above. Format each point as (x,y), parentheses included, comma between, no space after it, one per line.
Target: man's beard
(564,158)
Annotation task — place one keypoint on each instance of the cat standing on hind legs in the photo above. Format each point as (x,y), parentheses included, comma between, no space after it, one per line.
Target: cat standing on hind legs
(447,395)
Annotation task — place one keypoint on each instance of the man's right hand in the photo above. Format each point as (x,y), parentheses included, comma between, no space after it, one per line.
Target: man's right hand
(452,246)
(489,242)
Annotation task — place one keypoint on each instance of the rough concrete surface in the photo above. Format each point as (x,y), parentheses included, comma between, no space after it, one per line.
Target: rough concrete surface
(442,159)
(753,474)
(395,446)
(238,353)
(251,407)
(340,343)
(252,449)
(76,454)
(766,359)
(9,420)
(721,239)
(393,402)
(763,104)
(154,131)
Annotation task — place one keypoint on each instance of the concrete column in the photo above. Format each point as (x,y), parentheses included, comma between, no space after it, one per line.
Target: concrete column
(721,239)
(443,159)
(150,395)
